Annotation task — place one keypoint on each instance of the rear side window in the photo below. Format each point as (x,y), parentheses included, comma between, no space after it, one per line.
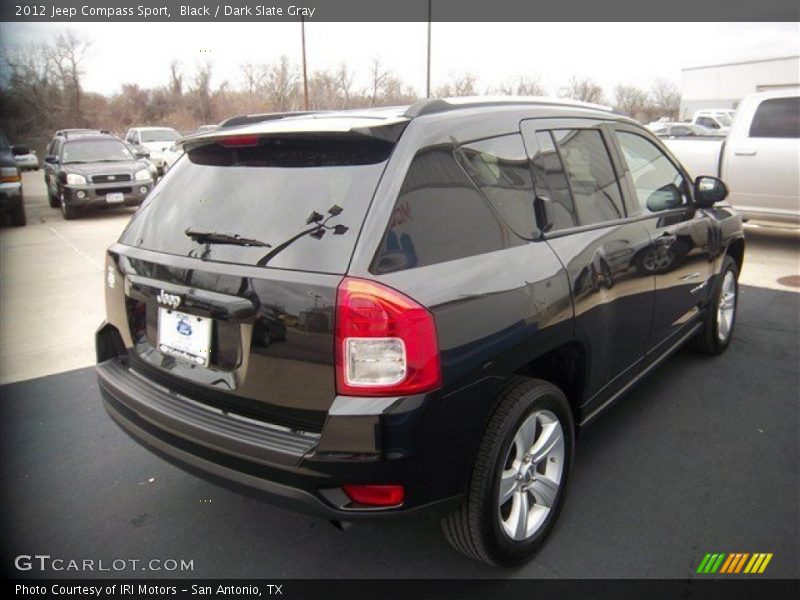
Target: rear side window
(499,168)
(554,207)
(777,118)
(305,196)
(595,187)
(439,216)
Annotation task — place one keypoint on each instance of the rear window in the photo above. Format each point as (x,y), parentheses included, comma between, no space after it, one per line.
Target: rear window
(159,135)
(304,196)
(777,118)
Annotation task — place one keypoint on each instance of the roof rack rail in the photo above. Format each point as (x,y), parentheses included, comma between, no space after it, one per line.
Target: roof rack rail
(429,106)
(259,118)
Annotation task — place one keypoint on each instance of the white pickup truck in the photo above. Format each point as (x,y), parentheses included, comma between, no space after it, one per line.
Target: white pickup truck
(759,160)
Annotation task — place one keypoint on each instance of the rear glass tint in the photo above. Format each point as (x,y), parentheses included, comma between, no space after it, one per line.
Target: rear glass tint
(304,196)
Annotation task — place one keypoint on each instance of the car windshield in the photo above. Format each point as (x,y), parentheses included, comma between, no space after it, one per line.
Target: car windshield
(95,151)
(305,197)
(724,120)
(159,135)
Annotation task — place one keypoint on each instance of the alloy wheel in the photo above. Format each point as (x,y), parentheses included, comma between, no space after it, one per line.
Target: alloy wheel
(727,306)
(531,476)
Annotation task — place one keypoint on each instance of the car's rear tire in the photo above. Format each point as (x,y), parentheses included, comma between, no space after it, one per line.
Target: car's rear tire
(18,218)
(519,479)
(720,318)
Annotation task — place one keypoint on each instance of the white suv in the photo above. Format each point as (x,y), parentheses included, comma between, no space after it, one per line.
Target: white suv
(155,140)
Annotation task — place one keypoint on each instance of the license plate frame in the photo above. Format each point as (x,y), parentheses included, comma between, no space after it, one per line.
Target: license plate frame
(184,336)
(115,198)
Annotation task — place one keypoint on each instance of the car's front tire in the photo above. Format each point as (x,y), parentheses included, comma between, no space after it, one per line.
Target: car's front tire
(519,479)
(52,199)
(68,212)
(720,318)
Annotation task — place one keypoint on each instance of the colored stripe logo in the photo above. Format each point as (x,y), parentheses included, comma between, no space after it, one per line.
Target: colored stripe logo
(734,563)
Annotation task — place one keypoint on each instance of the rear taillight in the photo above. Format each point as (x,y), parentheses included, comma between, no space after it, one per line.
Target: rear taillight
(386,342)
(9,175)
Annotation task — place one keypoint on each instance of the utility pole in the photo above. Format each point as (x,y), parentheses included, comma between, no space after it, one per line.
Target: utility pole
(305,72)
(428,84)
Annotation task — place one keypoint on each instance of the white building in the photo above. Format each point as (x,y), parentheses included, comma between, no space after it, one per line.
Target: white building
(723,86)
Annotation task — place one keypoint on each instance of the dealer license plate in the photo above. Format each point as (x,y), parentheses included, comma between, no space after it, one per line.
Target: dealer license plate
(185,336)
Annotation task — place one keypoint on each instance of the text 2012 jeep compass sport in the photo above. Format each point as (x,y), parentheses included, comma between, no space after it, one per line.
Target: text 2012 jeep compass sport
(367,314)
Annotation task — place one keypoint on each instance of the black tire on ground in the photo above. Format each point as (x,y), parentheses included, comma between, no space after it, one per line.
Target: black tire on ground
(69,212)
(18,215)
(707,340)
(475,528)
(52,200)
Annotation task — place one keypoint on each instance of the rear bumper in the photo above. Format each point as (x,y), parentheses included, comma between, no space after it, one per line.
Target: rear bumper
(10,194)
(287,468)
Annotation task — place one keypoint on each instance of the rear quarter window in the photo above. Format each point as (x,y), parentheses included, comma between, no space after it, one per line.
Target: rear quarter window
(439,216)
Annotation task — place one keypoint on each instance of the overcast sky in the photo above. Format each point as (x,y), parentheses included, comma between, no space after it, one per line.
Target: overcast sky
(610,53)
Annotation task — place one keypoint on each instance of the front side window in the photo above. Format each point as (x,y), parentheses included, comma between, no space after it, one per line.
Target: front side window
(777,118)
(595,187)
(499,168)
(658,183)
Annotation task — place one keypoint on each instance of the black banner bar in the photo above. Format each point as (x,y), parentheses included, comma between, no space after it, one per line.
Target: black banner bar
(419,589)
(397,10)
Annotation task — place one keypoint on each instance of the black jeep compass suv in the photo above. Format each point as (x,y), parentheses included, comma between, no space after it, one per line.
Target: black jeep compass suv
(366,314)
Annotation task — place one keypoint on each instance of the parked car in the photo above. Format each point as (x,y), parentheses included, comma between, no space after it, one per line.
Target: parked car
(12,200)
(370,314)
(143,155)
(171,155)
(716,120)
(155,140)
(25,158)
(95,171)
(758,160)
(680,130)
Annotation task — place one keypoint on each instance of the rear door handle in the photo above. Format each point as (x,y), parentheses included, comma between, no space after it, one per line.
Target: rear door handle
(744,152)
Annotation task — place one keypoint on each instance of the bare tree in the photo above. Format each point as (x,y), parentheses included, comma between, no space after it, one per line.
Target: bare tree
(465,85)
(378,76)
(67,56)
(666,98)
(584,90)
(175,79)
(280,87)
(630,100)
(344,85)
(522,86)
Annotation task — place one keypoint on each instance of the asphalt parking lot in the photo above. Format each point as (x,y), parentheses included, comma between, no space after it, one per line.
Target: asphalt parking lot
(701,457)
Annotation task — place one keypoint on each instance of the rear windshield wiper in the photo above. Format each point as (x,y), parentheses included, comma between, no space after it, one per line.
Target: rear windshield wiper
(214,237)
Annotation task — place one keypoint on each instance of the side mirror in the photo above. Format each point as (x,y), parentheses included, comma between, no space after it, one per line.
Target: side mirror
(708,191)
(51,159)
(665,198)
